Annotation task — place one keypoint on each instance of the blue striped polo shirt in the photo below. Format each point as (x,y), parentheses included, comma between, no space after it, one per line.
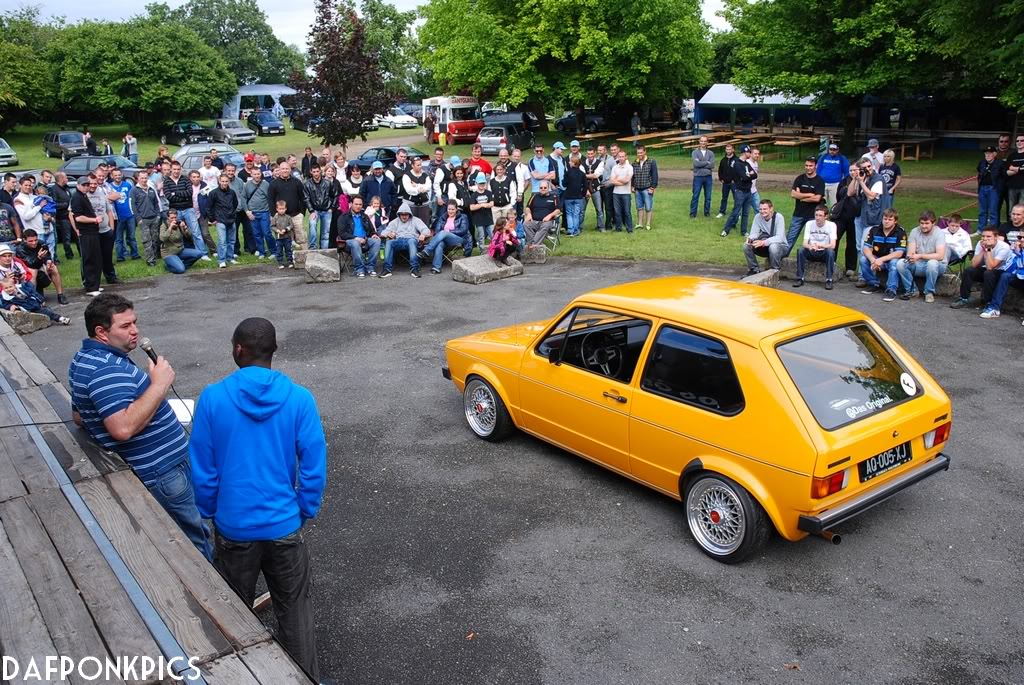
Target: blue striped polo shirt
(103,382)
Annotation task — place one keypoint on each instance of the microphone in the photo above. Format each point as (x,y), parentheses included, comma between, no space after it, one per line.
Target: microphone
(147,347)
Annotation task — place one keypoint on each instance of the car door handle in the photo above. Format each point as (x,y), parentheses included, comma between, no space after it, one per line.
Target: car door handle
(612,396)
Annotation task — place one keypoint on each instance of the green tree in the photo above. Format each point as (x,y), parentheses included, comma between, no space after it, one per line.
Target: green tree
(138,69)
(26,90)
(571,51)
(238,30)
(25,26)
(388,34)
(724,45)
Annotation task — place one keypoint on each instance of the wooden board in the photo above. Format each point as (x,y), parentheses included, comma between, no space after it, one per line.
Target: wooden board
(15,374)
(197,634)
(70,455)
(68,621)
(22,452)
(123,629)
(228,670)
(28,360)
(23,633)
(59,400)
(237,621)
(271,664)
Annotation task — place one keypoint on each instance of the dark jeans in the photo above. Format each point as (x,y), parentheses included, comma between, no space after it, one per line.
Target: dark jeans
(107,256)
(727,189)
(971,275)
(285,566)
(92,261)
(846,233)
(705,183)
(744,202)
(1006,281)
(622,203)
(806,254)
(124,242)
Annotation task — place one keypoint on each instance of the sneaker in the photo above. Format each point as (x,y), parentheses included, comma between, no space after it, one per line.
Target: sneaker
(62,298)
(360,275)
(151,262)
(205,258)
(435,271)
(828,285)
(64,321)
(648,227)
(752,272)
(799,283)
(291,265)
(100,288)
(386,274)
(234,261)
(872,289)
(93,293)
(373,274)
(415,273)
(258,255)
(724,234)
(960,303)
(719,215)
(861,283)
(990,313)
(223,265)
(422,254)
(929,298)
(850,273)
(280,266)
(906,296)
(693,216)
(890,295)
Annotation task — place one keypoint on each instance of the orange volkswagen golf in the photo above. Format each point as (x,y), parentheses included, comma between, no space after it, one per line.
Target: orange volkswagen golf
(757,408)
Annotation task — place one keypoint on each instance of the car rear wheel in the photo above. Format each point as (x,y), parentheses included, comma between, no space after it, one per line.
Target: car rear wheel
(725,521)
(485,412)
(46,151)
(560,127)
(591,127)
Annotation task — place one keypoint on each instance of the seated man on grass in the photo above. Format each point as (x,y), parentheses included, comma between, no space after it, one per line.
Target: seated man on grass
(987,266)
(404,233)
(926,256)
(819,246)
(451,230)
(173,233)
(884,245)
(357,234)
(767,238)
(37,257)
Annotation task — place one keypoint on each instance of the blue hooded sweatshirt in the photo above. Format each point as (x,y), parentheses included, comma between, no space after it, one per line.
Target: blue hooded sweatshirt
(259,457)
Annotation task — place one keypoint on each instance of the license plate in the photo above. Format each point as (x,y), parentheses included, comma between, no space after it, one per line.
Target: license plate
(886,461)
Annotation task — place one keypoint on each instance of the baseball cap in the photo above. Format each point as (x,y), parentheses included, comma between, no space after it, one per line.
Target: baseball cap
(873,142)
(377,165)
(250,157)
(833,146)
(991,149)
(480,178)
(558,146)
(455,160)
(5,249)
(574,143)
(744,148)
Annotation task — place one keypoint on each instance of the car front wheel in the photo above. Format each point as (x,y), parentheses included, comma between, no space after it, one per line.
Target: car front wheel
(163,140)
(485,412)
(725,521)
(560,127)
(46,151)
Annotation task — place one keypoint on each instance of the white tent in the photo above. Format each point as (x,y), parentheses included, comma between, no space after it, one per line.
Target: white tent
(728,95)
(274,91)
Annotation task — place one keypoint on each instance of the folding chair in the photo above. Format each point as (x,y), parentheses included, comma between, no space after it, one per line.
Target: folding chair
(553,235)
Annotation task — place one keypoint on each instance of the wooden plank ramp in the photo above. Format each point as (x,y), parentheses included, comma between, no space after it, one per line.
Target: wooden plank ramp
(90,563)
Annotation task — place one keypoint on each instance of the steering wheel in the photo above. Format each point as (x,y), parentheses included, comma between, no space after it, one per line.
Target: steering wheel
(601,353)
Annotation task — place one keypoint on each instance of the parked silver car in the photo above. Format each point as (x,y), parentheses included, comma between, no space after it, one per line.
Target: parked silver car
(8,157)
(191,156)
(510,136)
(231,131)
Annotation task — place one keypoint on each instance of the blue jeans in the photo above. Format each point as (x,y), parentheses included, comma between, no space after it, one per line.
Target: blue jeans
(407,244)
(623,206)
(225,241)
(173,490)
(265,243)
(573,214)
(1002,287)
(135,158)
(49,238)
(988,207)
(931,270)
(355,249)
(179,263)
(481,232)
(742,208)
(444,241)
(125,235)
(796,226)
(191,219)
(644,201)
(892,279)
(706,184)
(319,225)
(859,227)
(805,254)
(284,249)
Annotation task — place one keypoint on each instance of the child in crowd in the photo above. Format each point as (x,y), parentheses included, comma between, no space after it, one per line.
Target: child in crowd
(375,212)
(281,225)
(958,241)
(49,212)
(24,297)
(481,202)
(504,242)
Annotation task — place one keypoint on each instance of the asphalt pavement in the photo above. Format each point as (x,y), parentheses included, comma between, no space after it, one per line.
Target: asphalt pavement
(442,559)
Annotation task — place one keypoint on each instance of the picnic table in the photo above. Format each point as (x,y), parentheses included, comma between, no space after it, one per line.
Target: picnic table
(796,143)
(643,136)
(595,135)
(916,143)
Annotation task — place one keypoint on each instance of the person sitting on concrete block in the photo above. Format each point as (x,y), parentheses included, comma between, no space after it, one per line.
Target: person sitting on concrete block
(883,246)
(926,256)
(1011,277)
(767,238)
(819,246)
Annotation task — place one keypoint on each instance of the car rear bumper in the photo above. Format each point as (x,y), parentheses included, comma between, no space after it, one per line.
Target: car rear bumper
(858,505)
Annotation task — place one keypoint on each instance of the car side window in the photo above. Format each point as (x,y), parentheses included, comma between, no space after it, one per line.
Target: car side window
(602,342)
(693,369)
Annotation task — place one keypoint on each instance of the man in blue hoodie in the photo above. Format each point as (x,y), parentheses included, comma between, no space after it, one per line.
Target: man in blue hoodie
(259,463)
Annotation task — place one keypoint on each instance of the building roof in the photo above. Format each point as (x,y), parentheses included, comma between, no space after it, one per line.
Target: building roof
(728,95)
(739,311)
(275,89)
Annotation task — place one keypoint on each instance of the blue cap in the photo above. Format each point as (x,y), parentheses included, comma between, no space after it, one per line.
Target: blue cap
(574,143)
(558,146)
(480,178)
(377,165)
(455,160)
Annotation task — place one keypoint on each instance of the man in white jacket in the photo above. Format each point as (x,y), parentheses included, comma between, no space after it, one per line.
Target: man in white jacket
(31,215)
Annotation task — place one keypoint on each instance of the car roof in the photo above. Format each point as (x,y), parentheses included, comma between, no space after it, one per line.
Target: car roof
(741,311)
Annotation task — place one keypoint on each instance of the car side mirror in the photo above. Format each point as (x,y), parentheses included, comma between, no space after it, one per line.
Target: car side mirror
(553,354)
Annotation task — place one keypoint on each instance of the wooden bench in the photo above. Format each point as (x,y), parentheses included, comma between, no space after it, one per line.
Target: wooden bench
(92,565)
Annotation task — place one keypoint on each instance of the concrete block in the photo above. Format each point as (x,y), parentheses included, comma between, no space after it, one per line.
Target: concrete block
(768,279)
(483,269)
(24,323)
(535,254)
(300,255)
(948,285)
(814,272)
(322,269)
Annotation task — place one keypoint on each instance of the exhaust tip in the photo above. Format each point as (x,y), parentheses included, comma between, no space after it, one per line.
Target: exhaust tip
(834,538)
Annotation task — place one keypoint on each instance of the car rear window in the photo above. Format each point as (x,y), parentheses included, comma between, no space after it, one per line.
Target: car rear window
(846,374)
(491,133)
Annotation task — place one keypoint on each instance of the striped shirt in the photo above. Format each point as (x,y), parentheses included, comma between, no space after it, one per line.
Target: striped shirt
(103,382)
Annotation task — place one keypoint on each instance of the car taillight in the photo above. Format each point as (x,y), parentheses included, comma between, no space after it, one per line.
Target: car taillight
(829,485)
(937,436)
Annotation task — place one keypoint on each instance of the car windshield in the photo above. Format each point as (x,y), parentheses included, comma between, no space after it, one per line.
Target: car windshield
(119,161)
(465,113)
(234,123)
(71,138)
(190,126)
(413,152)
(845,374)
(4,145)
